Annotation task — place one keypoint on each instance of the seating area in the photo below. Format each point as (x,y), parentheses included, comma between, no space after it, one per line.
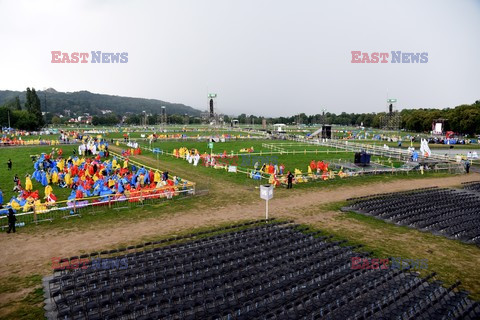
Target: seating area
(251,271)
(452,213)
(472,186)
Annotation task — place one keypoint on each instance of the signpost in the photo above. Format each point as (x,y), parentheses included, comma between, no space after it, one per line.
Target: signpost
(266,193)
(210,145)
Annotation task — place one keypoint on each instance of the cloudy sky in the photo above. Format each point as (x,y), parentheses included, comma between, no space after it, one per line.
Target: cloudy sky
(263,57)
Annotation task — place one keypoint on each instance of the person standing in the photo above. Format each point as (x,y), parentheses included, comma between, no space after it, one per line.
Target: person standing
(1,198)
(9,164)
(290,177)
(467,166)
(16,184)
(11,220)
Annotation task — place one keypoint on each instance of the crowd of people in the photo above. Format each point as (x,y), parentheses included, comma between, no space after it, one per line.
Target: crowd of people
(90,173)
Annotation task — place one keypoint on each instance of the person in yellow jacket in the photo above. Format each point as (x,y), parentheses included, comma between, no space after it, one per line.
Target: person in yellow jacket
(55,177)
(48,190)
(157,177)
(61,164)
(28,183)
(125,164)
(68,179)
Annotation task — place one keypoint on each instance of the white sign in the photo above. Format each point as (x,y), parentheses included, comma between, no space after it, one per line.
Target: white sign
(266,191)
(232,168)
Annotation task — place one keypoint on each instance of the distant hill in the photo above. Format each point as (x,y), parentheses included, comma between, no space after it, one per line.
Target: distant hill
(87,102)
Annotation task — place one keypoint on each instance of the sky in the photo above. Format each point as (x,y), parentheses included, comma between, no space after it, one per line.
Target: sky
(262,57)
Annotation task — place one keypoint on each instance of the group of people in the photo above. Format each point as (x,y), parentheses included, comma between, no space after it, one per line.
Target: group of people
(88,176)
(317,167)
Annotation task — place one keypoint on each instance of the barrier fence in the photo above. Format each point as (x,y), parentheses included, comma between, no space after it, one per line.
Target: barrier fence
(192,139)
(34,143)
(391,152)
(76,207)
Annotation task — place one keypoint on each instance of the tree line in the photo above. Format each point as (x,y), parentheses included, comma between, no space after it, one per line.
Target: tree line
(27,118)
(463,119)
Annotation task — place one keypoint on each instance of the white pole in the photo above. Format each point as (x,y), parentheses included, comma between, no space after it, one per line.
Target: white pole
(266,212)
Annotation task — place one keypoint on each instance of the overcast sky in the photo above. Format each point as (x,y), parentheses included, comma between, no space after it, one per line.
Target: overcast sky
(263,57)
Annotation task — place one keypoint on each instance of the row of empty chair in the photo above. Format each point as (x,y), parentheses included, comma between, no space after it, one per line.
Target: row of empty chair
(268,271)
(473,186)
(452,213)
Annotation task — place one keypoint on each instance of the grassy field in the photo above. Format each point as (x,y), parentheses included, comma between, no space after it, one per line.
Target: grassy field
(21,294)
(293,157)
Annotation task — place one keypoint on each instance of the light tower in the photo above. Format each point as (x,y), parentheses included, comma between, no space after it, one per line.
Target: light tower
(212,97)
(163,115)
(392,119)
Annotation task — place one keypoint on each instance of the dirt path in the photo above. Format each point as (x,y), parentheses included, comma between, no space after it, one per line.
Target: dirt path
(27,253)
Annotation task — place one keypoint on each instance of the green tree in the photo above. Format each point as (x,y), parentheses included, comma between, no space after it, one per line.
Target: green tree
(56,120)
(17,103)
(37,109)
(133,119)
(33,107)
(152,120)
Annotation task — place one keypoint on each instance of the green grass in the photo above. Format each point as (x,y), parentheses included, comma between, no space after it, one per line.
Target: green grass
(30,305)
(291,161)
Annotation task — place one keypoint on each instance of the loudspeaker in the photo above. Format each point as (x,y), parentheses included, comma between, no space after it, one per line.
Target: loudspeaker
(326,132)
(357,158)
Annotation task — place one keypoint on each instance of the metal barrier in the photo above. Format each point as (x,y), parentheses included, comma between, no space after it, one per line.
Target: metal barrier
(76,207)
